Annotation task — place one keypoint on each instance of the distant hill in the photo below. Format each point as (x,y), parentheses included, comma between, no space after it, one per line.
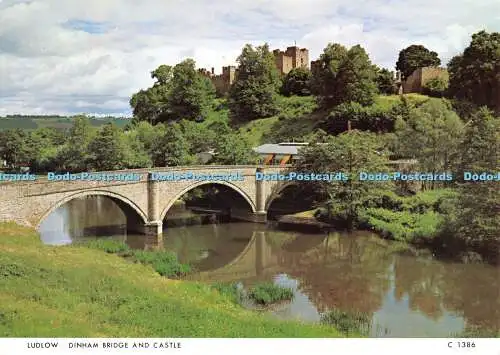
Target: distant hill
(29,122)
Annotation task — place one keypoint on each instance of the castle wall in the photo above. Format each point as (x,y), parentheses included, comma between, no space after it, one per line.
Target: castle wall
(417,80)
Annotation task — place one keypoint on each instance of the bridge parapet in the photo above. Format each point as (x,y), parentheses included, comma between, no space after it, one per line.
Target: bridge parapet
(147,200)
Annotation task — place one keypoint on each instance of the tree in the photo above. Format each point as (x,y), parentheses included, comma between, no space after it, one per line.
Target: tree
(74,155)
(232,149)
(475,74)
(14,149)
(432,134)
(172,148)
(296,82)
(151,104)
(107,150)
(386,83)
(147,134)
(178,93)
(191,95)
(342,75)
(351,153)
(477,223)
(199,137)
(414,57)
(254,92)
(45,144)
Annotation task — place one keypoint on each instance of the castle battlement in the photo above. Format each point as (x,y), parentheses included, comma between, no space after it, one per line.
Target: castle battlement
(292,57)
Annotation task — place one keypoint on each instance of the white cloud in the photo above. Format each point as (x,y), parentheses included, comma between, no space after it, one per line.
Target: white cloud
(68,56)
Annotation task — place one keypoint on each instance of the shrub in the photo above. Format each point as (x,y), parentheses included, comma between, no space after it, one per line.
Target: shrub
(164,262)
(110,246)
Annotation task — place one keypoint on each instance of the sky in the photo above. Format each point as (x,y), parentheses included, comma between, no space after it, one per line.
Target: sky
(90,56)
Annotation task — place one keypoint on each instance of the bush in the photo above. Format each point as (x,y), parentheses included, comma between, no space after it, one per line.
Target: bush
(230,289)
(403,225)
(372,118)
(110,246)
(269,293)
(164,262)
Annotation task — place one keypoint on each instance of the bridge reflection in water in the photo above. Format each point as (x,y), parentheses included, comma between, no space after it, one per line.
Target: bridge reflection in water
(409,295)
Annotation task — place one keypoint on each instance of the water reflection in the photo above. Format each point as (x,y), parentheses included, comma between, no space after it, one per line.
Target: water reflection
(406,296)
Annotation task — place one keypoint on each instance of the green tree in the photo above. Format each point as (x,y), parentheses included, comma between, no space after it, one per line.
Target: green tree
(475,74)
(432,134)
(436,87)
(45,144)
(147,134)
(14,149)
(74,155)
(255,90)
(179,92)
(296,82)
(136,154)
(151,104)
(386,83)
(478,224)
(351,153)
(107,150)
(172,148)
(232,149)
(414,57)
(342,75)
(192,95)
(199,137)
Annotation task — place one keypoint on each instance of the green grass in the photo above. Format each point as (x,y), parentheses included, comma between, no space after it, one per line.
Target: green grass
(163,262)
(230,290)
(403,225)
(75,291)
(268,293)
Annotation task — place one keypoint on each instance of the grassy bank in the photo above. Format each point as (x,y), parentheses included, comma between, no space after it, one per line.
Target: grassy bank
(76,291)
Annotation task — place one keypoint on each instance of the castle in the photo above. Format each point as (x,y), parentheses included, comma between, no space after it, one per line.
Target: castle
(417,80)
(293,57)
(222,82)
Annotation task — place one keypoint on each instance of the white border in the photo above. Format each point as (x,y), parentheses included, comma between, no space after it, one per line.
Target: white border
(420,346)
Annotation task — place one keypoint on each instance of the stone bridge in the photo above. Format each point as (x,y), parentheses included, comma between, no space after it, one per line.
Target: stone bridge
(145,200)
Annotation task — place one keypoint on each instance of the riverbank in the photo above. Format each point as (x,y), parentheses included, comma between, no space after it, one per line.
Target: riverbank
(75,291)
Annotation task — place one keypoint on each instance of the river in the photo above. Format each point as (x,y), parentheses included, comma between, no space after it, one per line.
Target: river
(405,295)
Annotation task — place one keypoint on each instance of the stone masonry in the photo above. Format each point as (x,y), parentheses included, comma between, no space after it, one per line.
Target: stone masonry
(415,83)
(292,57)
(145,202)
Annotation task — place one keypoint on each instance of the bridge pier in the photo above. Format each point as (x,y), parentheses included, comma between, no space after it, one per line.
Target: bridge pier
(153,228)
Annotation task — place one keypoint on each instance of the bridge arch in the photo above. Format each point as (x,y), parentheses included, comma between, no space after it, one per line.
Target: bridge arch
(277,191)
(234,187)
(114,196)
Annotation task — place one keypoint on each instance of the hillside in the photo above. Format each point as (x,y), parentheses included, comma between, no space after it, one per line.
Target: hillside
(59,122)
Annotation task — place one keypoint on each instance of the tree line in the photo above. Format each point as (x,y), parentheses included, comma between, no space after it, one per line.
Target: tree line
(88,148)
(340,75)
